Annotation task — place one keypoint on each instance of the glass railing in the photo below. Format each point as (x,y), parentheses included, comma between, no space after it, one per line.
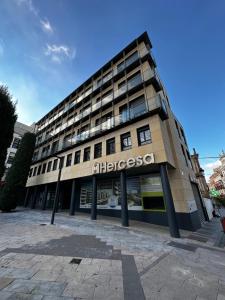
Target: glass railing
(148,74)
(141,52)
(151,104)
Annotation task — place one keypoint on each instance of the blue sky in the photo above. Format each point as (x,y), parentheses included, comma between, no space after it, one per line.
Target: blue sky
(49,47)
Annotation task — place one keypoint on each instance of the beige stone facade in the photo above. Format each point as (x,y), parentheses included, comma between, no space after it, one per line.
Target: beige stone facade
(123,97)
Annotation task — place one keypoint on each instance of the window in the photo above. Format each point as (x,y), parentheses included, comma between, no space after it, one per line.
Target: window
(131,58)
(77,157)
(39,170)
(178,131)
(69,160)
(49,166)
(55,147)
(35,171)
(43,168)
(137,107)
(30,173)
(10,158)
(126,141)
(55,164)
(16,143)
(120,66)
(189,159)
(35,156)
(110,146)
(87,153)
(183,135)
(61,162)
(182,148)
(144,136)
(124,113)
(98,150)
(134,80)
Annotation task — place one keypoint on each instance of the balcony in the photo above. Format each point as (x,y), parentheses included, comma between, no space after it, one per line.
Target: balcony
(97,84)
(149,74)
(152,106)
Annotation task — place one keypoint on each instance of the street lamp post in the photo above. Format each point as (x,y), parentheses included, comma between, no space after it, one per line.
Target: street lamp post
(56,199)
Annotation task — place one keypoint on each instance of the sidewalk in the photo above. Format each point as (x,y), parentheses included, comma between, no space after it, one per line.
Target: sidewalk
(82,259)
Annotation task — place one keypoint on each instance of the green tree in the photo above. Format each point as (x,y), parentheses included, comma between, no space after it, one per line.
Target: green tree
(13,190)
(8,118)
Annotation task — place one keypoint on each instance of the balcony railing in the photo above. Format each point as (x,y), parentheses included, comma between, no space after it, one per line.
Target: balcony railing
(145,76)
(151,105)
(141,53)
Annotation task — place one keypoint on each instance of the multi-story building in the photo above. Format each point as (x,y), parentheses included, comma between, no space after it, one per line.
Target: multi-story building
(200,175)
(19,130)
(123,152)
(217,179)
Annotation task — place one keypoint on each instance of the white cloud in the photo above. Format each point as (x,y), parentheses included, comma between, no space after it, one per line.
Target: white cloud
(29,4)
(209,167)
(46,26)
(59,52)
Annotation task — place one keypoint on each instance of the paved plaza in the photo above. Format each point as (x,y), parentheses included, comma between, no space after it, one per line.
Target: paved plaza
(82,259)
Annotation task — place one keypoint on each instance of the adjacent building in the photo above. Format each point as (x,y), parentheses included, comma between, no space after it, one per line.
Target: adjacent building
(122,150)
(19,130)
(217,179)
(200,175)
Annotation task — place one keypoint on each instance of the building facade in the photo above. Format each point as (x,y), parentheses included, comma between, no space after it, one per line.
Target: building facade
(19,130)
(200,175)
(123,151)
(217,179)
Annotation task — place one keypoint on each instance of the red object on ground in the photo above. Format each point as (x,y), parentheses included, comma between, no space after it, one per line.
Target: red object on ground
(222,220)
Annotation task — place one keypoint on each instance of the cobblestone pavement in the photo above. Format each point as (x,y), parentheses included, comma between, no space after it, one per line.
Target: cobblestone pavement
(83,259)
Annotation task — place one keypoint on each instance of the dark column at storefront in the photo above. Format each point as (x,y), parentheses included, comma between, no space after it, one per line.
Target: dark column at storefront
(34,197)
(45,197)
(171,214)
(94,198)
(123,193)
(73,198)
(27,197)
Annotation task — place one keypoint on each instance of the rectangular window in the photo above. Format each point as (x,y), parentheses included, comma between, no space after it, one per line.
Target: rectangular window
(43,168)
(77,157)
(16,143)
(55,147)
(125,141)
(39,170)
(178,131)
(55,164)
(35,155)
(144,135)
(69,160)
(134,80)
(120,66)
(10,158)
(35,171)
(87,153)
(185,158)
(137,107)
(49,166)
(183,135)
(30,173)
(110,146)
(98,150)
(61,162)
(130,59)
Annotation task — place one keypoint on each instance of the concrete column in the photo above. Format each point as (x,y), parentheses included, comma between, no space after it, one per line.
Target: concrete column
(73,198)
(123,195)
(44,202)
(170,209)
(94,198)
(34,197)
(26,197)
